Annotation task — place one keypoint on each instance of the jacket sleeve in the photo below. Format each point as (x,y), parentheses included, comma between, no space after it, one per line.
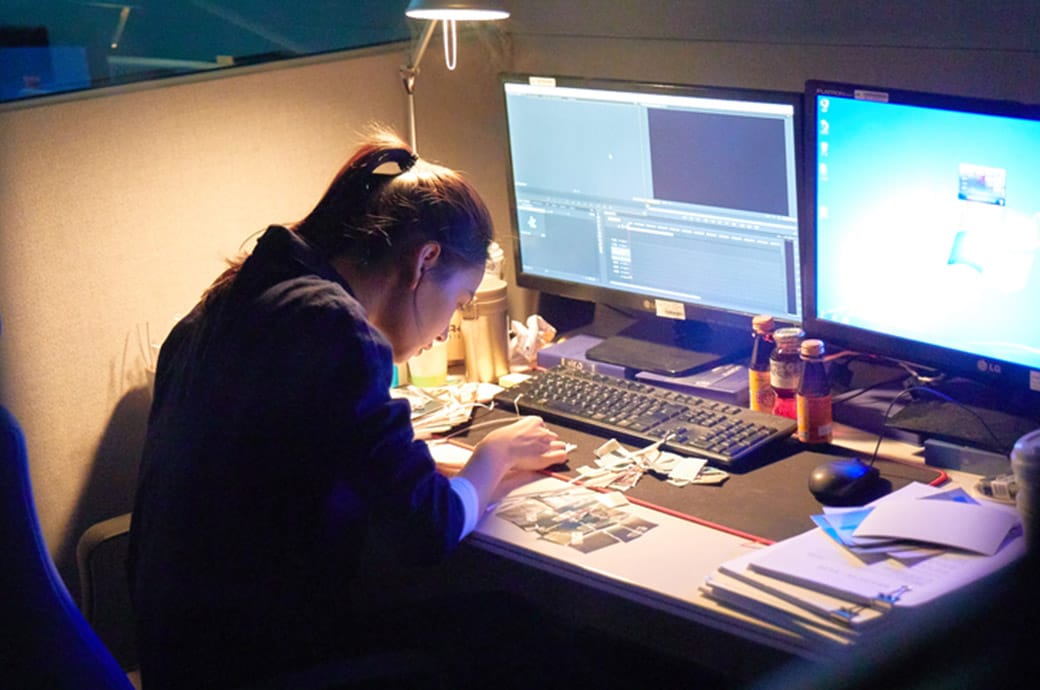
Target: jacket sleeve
(372,468)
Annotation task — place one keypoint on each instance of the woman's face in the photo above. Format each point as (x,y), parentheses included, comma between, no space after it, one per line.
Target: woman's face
(423,309)
(437,298)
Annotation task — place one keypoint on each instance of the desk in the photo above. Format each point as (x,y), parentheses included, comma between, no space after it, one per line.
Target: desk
(648,589)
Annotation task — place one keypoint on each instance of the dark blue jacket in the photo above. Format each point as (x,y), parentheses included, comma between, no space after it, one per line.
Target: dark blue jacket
(276,468)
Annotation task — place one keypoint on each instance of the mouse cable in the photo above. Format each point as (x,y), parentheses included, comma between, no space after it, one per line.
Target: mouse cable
(884,421)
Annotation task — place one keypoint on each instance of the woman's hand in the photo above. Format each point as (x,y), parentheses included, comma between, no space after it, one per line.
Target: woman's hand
(526,444)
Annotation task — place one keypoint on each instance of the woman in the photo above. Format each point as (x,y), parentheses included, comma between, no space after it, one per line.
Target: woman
(276,466)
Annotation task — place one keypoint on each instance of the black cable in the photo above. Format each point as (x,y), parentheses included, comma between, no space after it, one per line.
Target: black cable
(856,392)
(909,391)
(884,419)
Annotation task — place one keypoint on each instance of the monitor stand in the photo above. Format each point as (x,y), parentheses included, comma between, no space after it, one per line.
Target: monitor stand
(672,347)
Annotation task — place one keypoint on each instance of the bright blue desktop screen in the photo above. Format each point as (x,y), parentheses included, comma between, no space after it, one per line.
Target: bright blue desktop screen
(928,225)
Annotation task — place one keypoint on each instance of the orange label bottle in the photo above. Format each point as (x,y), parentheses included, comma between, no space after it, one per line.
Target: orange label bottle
(814,410)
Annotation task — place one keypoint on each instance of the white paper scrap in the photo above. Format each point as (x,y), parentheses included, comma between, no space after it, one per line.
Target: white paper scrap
(613,499)
(687,469)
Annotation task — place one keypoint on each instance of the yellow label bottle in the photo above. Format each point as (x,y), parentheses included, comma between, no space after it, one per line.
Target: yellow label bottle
(760,391)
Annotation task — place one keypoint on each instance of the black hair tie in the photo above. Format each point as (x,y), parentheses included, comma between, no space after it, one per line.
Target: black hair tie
(409,162)
(404,159)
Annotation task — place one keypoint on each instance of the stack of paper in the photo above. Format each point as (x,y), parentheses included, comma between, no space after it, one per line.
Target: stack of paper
(861,565)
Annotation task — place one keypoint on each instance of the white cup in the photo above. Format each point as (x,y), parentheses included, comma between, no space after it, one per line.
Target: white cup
(1025,465)
(429,369)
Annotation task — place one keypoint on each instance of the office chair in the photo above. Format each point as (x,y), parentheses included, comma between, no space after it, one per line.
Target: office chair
(101,555)
(45,642)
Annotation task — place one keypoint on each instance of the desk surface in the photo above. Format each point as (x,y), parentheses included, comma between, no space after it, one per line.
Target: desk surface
(766,504)
(662,572)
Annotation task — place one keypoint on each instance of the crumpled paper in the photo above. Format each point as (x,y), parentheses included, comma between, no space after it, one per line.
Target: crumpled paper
(528,338)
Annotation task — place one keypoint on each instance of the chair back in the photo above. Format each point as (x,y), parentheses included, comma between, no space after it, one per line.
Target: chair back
(44,640)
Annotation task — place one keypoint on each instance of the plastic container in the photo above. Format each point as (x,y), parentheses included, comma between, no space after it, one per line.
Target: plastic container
(485,331)
(815,416)
(456,341)
(1025,465)
(760,390)
(430,368)
(456,347)
(785,370)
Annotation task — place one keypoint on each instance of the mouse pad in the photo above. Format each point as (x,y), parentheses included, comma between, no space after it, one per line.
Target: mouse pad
(768,503)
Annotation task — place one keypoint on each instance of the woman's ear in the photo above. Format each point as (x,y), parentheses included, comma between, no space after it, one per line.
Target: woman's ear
(425,259)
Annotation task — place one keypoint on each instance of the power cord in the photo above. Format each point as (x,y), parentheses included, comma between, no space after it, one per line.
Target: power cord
(909,392)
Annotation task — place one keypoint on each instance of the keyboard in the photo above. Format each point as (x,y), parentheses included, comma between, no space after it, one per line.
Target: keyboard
(637,412)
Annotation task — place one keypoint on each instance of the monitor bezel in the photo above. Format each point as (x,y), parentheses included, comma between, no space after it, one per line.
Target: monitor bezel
(644,306)
(1020,382)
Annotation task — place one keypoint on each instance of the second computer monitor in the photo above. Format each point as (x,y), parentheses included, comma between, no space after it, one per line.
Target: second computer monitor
(924,231)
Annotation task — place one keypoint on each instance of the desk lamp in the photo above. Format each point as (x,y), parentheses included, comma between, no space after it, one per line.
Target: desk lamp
(447,12)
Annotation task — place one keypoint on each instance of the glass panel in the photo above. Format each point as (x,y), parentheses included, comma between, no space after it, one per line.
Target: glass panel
(50,46)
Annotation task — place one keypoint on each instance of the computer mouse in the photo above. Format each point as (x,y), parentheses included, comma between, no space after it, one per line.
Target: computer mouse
(844,482)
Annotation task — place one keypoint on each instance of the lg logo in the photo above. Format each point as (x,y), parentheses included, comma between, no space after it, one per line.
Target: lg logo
(988,367)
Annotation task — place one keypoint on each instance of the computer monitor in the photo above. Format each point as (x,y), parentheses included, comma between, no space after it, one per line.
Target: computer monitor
(923,232)
(676,203)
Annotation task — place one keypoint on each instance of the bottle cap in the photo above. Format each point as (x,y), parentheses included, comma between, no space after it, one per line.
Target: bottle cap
(812,348)
(763,323)
(788,336)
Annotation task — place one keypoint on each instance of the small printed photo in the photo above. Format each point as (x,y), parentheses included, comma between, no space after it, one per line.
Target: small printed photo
(637,524)
(631,528)
(622,533)
(527,515)
(561,538)
(592,542)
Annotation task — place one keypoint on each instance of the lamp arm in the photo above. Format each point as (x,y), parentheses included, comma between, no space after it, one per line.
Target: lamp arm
(410,71)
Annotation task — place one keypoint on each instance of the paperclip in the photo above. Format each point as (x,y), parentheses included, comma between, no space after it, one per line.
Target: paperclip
(893,596)
(847,614)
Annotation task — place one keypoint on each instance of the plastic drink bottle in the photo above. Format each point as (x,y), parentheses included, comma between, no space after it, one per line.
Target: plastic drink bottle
(815,417)
(785,370)
(760,391)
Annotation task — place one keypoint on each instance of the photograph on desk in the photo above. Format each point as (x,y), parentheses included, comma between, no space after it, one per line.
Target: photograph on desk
(580,518)
(864,567)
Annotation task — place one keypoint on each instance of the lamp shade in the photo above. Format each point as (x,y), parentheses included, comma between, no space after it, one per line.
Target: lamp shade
(478,10)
